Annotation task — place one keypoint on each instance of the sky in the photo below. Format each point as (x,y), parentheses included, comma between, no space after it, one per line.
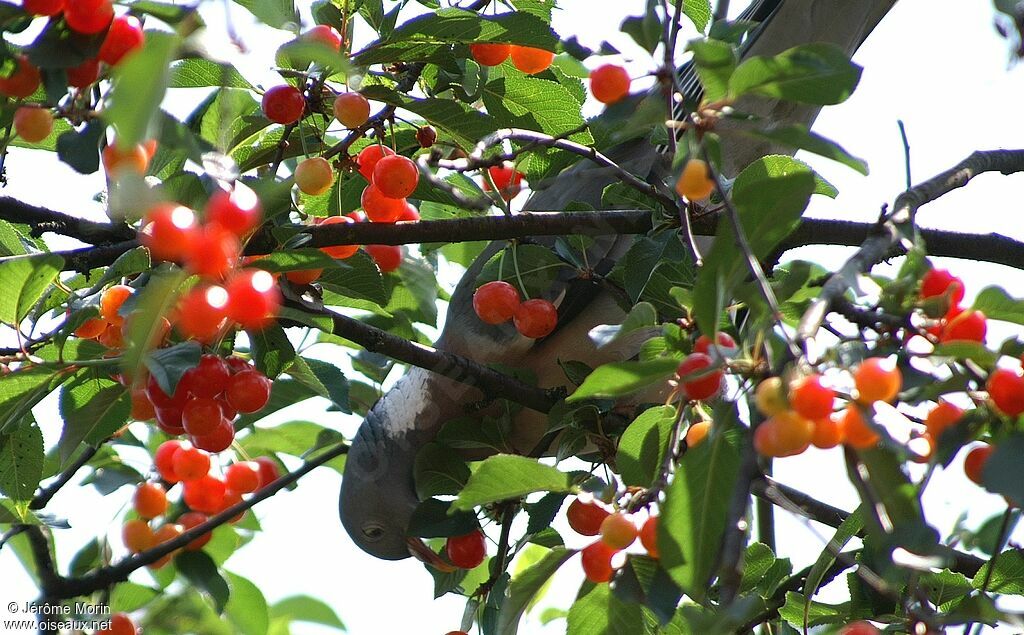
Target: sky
(936,64)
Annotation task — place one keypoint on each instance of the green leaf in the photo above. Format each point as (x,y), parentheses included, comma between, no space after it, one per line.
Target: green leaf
(303,608)
(597,611)
(715,62)
(140,82)
(152,302)
(80,148)
(21,390)
(456,119)
(196,72)
(324,378)
(818,613)
(1007,578)
(997,304)
(424,37)
(696,509)
(129,596)
(201,572)
(1003,472)
(296,438)
(433,518)
(646,30)
(844,533)
(246,607)
(817,73)
(506,476)
(770,195)
(170,13)
(24,279)
(522,101)
(945,586)
(622,378)
(898,497)
(356,277)
(798,137)
(21,461)
(92,409)
(438,471)
(168,365)
(274,13)
(271,350)
(526,585)
(643,445)
(699,12)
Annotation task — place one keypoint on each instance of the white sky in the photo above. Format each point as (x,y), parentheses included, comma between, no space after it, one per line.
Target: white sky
(936,64)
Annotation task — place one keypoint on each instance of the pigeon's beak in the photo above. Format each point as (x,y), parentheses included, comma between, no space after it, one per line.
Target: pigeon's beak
(425,554)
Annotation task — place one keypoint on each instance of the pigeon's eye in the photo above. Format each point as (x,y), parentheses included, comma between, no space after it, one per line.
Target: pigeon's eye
(373,533)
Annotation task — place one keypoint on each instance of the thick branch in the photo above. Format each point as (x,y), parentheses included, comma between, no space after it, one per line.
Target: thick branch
(55,587)
(41,220)
(897,227)
(490,382)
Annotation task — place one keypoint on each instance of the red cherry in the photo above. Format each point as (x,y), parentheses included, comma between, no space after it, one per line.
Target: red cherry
(248,391)
(83,75)
(859,628)
(974,462)
(190,463)
(368,158)
(188,520)
(169,231)
(214,252)
(201,416)
(468,551)
(269,471)
(150,500)
(618,531)
(253,298)
(531,60)
(243,477)
(536,318)
(23,82)
(283,104)
(597,562)
(1006,389)
(609,83)
(111,302)
(426,136)
(649,536)
(387,257)
(490,54)
(324,34)
(586,518)
(507,179)
(339,252)
(163,460)
(161,399)
(238,210)
(169,420)
(229,412)
(218,439)
(936,282)
(209,378)
(703,343)
(43,7)
(202,311)
(351,109)
(396,176)
(810,399)
(409,214)
(703,387)
(968,326)
(124,36)
(33,124)
(142,407)
(237,364)
(380,208)
(204,494)
(88,16)
(231,497)
(496,302)
(120,624)
(303,276)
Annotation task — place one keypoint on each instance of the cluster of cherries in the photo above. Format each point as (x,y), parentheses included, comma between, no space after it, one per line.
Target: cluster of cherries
(211,250)
(527,59)
(942,291)
(123,34)
(203,493)
(498,302)
(617,532)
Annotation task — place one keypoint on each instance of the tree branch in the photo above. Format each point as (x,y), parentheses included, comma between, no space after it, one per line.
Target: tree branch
(490,382)
(43,496)
(896,229)
(41,220)
(56,587)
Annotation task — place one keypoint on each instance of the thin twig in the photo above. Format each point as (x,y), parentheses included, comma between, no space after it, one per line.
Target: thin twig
(43,496)
(906,152)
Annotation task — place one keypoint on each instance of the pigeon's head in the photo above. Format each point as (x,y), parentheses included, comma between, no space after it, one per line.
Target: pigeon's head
(377,492)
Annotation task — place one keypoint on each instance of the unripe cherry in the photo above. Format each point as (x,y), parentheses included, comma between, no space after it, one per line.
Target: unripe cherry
(351,109)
